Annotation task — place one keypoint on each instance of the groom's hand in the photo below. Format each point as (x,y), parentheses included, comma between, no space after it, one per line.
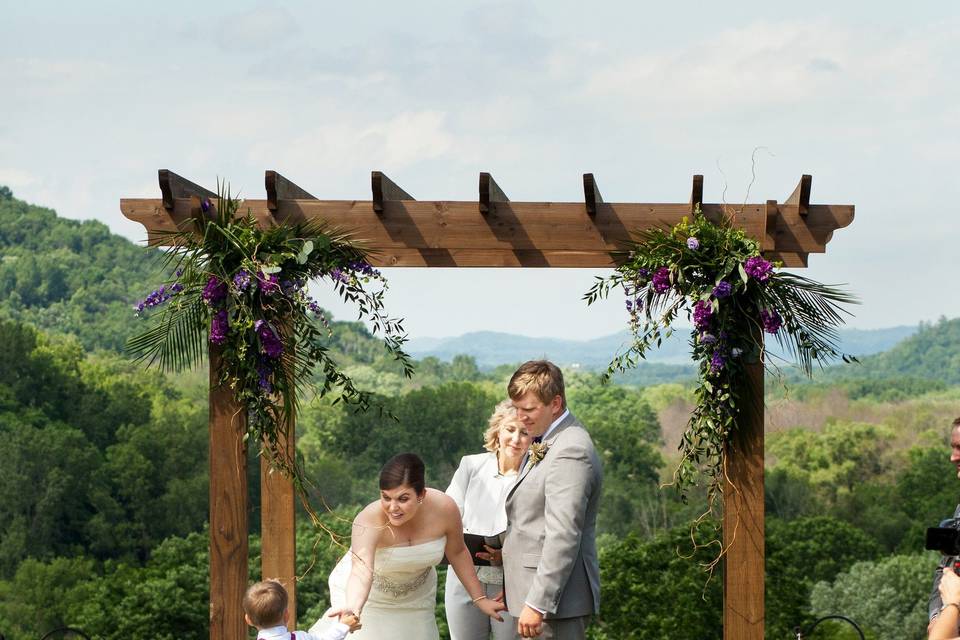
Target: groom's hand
(530,623)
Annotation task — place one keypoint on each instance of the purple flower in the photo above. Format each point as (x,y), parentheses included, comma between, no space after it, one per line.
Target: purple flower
(158,297)
(264,371)
(644,273)
(241,280)
(272,346)
(693,243)
(758,268)
(661,280)
(219,326)
(723,289)
(717,361)
(736,353)
(702,312)
(708,338)
(363,269)
(269,284)
(771,320)
(214,292)
(339,276)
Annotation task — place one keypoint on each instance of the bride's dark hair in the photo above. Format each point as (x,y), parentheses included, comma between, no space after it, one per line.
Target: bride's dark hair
(403,469)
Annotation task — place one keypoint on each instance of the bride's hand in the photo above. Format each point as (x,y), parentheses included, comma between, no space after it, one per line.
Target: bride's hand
(491,607)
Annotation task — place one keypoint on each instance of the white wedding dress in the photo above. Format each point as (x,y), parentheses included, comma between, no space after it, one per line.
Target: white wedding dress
(402,598)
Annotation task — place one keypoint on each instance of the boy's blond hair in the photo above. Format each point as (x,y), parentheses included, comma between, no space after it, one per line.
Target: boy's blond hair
(265,603)
(540,376)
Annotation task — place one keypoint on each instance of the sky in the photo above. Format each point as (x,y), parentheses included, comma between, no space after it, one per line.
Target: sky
(97,96)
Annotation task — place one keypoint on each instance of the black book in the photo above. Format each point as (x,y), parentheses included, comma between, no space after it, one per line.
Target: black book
(475,544)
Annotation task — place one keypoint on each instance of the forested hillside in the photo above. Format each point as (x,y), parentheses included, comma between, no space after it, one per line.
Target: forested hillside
(104,489)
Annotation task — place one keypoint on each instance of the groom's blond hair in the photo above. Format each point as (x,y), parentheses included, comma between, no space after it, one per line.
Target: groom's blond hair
(540,376)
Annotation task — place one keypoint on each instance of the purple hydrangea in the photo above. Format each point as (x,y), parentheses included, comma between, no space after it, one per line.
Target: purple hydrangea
(758,268)
(272,346)
(214,292)
(723,289)
(644,273)
(702,313)
(717,361)
(708,338)
(661,280)
(771,320)
(314,307)
(242,280)
(219,326)
(693,243)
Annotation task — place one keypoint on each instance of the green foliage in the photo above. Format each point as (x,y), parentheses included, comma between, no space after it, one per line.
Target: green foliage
(648,591)
(68,276)
(801,553)
(887,598)
(102,458)
(441,424)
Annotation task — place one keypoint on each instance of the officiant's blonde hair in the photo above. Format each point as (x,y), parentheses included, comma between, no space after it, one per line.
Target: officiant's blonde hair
(503,413)
(540,376)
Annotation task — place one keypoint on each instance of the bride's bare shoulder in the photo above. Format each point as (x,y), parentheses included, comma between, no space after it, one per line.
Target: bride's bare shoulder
(370,515)
(442,501)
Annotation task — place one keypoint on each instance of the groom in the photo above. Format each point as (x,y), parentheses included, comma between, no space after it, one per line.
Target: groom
(551,573)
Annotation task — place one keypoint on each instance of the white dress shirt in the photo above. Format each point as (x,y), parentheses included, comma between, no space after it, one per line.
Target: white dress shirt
(338,631)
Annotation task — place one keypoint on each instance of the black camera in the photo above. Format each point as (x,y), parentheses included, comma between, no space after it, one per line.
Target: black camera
(945,538)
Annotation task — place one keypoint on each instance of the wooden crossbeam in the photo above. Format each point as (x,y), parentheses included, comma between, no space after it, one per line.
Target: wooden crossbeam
(173,186)
(280,188)
(591,194)
(490,193)
(384,189)
(408,232)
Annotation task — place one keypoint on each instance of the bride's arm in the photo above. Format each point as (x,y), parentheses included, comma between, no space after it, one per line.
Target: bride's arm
(460,561)
(363,549)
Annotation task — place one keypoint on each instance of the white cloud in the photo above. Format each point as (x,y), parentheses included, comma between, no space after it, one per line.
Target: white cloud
(17,178)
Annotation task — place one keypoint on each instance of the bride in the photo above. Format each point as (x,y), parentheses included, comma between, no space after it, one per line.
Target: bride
(388,578)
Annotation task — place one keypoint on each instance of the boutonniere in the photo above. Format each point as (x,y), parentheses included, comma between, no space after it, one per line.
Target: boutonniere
(537,451)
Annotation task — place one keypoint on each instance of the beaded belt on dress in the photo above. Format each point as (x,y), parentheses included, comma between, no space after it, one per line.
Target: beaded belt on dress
(399,589)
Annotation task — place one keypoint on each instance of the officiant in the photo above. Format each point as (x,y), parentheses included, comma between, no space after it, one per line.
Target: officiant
(479,487)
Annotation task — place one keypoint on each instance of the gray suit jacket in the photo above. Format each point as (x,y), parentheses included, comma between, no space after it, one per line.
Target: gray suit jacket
(550,551)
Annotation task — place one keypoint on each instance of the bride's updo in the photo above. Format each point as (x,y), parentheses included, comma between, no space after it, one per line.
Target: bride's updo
(403,469)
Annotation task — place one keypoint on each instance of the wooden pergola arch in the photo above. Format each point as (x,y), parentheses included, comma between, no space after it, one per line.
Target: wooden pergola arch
(491,231)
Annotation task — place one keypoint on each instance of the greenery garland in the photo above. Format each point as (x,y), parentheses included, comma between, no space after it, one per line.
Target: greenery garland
(732,295)
(244,288)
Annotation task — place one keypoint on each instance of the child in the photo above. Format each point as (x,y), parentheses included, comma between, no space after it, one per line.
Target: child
(265,607)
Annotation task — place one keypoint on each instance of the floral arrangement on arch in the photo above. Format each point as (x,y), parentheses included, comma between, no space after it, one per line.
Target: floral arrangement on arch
(244,288)
(717,277)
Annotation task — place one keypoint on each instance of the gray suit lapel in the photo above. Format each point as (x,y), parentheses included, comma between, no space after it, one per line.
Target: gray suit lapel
(527,467)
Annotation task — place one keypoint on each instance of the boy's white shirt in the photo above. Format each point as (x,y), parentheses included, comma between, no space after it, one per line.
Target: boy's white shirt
(338,631)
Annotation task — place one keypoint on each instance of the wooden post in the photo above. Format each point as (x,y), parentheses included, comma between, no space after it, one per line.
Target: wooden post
(228,509)
(278,524)
(743,516)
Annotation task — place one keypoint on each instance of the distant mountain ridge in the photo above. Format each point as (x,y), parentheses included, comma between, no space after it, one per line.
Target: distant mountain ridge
(491,349)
